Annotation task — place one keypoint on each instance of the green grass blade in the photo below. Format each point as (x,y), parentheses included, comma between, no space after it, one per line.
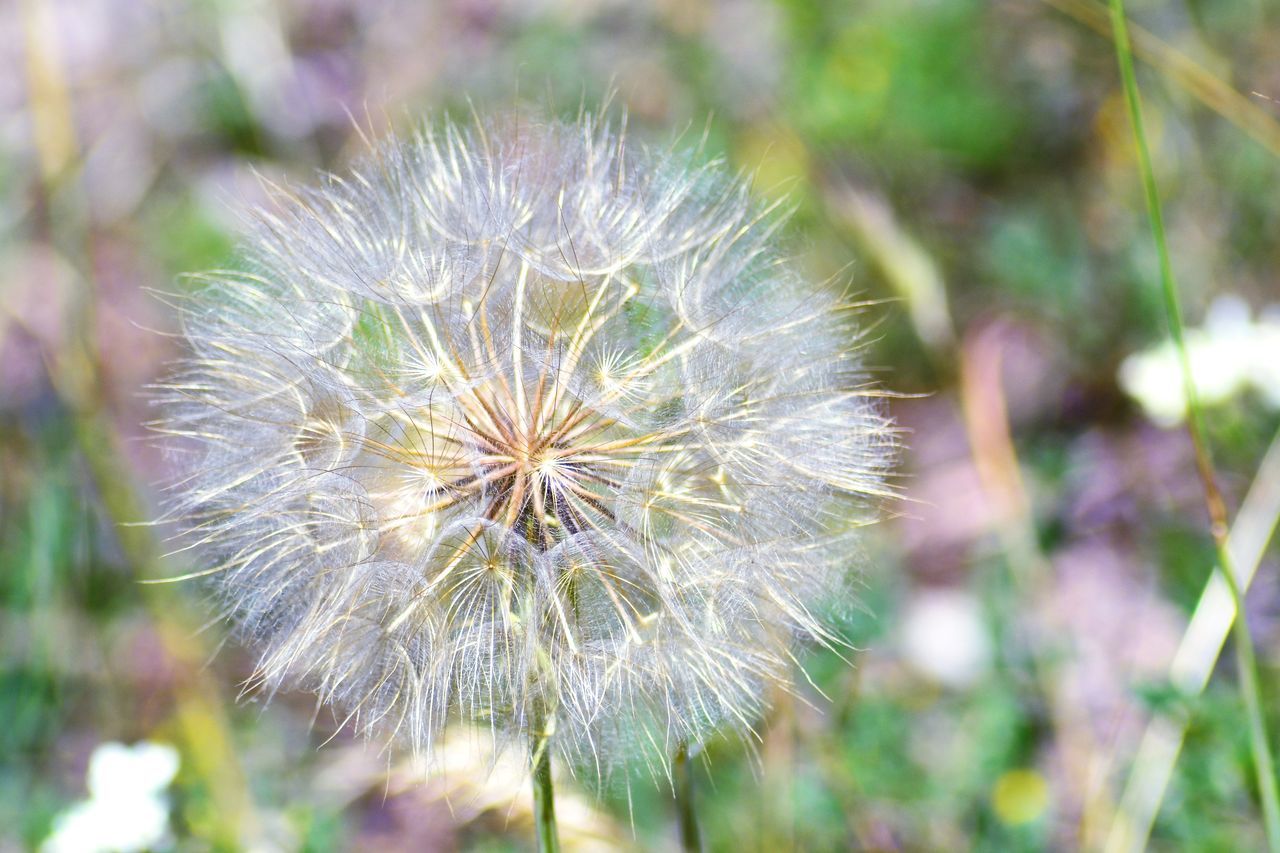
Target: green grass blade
(1264,764)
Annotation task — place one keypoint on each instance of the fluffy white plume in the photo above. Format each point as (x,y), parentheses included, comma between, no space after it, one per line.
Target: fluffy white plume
(520,424)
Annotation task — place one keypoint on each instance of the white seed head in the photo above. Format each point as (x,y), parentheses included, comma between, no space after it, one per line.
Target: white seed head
(518,422)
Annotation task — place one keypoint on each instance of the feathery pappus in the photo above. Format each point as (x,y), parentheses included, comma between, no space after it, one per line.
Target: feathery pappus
(522,424)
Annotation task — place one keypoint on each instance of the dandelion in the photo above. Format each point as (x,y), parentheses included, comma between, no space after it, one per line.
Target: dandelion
(522,425)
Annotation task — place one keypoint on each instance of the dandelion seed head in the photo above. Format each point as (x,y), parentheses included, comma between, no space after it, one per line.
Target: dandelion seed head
(522,420)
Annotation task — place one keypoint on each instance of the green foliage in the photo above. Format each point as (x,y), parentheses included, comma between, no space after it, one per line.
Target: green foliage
(894,76)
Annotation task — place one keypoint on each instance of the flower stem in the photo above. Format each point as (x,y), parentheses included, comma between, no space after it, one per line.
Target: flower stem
(1264,764)
(690,838)
(544,797)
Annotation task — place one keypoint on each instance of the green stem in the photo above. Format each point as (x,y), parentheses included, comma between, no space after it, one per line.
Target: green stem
(544,796)
(682,770)
(1250,687)
(1264,763)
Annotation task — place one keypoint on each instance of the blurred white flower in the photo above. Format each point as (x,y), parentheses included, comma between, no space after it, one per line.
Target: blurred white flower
(944,637)
(127,809)
(1231,353)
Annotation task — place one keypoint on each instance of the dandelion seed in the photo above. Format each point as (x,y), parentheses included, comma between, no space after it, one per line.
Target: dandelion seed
(523,425)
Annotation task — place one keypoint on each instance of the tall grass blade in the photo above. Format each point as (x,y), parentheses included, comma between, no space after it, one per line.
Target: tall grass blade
(1264,764)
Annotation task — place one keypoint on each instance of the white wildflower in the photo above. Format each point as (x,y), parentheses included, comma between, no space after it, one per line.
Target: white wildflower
(1230,354)
(126,809)
(945,637)
(524,425)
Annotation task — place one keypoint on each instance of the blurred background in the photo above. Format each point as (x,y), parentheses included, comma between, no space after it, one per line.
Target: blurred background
(1034,646)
